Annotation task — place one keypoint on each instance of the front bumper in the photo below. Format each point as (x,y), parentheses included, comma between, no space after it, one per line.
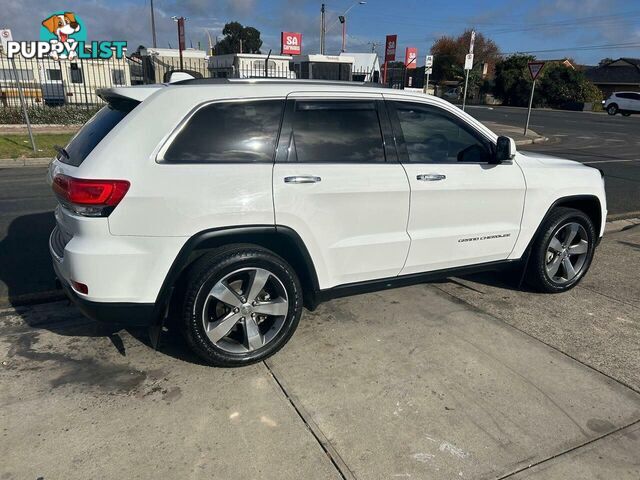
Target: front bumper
(119,313)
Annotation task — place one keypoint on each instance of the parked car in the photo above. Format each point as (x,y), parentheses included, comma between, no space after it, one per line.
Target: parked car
(231,204)
(625,103)
(453,94)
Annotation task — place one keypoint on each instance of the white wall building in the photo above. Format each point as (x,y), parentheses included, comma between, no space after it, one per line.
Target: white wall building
(365,67)
(250,65)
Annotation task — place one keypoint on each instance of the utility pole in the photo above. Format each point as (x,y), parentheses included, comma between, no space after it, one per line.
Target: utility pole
(181,41)
(153,25)
(343,21)
(210,43)
(322,28)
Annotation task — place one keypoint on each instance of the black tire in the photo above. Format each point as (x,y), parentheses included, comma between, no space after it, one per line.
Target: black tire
(212,269)
(625,114)
(537,275)
(612,109)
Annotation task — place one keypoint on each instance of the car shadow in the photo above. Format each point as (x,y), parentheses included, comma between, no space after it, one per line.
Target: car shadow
(26,271)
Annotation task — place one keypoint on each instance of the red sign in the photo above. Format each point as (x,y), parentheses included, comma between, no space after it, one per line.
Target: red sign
(181,43)
(390,48)
(291,43)
(535,68)
(410,57)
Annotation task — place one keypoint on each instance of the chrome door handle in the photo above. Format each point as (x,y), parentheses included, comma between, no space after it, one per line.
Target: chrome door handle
(430,177)
(302,179)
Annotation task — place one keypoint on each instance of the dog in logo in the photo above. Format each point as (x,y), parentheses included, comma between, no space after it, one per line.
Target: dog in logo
(62,26)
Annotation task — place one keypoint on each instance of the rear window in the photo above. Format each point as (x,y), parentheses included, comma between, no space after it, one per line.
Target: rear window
(92,134)
(236,132)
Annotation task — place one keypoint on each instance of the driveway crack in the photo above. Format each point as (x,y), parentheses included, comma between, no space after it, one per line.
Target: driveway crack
(568,450)
(324,443)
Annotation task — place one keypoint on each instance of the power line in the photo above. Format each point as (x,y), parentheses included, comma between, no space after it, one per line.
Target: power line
(579,48)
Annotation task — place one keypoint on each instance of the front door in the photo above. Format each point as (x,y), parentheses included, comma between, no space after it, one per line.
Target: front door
(337,185)
(464,210)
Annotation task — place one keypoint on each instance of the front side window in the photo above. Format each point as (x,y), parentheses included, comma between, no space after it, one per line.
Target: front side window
(236,132)
(432,135)
(337,132)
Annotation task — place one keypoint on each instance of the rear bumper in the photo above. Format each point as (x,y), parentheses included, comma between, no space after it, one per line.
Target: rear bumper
(124,314)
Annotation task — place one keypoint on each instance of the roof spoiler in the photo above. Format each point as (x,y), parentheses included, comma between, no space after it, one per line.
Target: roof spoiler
(126,98)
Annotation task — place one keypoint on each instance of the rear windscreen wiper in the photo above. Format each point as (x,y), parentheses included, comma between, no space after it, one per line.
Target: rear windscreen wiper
(61,151)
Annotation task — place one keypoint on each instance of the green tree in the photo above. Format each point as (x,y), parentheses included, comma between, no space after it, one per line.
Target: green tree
(235,34)
(512,82)
(449,54)
(562,85)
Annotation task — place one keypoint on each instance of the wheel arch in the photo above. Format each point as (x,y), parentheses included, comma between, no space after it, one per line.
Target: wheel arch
(281,240)
(588,204)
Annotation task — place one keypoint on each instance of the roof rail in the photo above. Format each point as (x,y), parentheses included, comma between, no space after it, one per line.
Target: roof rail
(276,81)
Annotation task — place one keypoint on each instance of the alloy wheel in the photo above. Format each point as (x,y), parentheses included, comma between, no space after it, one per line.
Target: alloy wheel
(245,310)
(567,253)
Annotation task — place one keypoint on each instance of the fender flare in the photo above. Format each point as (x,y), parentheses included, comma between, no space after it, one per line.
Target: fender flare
(558,202)
(261,235)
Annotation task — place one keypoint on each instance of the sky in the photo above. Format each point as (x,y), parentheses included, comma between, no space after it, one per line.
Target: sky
(550,29)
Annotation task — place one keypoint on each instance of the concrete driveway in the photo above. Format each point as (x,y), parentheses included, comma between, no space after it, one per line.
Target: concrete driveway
(465,379)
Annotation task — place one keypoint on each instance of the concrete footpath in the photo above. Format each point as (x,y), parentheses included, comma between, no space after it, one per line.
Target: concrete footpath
(469,378)
(517,133)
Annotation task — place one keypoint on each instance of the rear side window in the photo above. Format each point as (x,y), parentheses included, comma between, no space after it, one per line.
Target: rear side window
(92,134)
(337,132)
(235,132)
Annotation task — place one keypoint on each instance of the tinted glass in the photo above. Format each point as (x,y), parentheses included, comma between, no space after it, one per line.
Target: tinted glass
(432,136)
(337,132)
(229,132)
(92,133)
(624,95)
(635,96)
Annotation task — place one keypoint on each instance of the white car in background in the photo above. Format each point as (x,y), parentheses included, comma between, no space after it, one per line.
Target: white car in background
(230,204)
(625,103)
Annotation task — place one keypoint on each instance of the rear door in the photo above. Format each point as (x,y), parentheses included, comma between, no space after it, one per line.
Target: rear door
(340,187)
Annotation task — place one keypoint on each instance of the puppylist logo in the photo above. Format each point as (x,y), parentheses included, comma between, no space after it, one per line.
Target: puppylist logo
(63,36)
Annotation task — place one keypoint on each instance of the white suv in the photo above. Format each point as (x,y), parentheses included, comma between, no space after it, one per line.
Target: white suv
(230,204)
(625,103)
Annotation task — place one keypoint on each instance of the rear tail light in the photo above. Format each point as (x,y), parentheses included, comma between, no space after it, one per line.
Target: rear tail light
(90,198)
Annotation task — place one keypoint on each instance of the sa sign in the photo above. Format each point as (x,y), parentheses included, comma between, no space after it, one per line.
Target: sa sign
(291,43)
(410,57)
(390,48)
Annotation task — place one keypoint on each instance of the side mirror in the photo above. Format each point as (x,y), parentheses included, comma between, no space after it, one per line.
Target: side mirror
(505,149)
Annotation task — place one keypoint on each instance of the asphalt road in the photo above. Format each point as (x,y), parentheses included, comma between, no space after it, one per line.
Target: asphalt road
(611,144)
(26,220)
